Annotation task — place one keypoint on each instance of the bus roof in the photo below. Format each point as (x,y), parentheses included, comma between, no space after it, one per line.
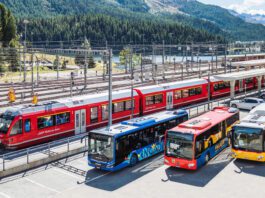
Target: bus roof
(136,124)
(255,118)
(204,122)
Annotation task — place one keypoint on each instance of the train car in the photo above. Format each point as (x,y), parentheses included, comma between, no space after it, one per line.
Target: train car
(222,88)
(23,126)
(172,95)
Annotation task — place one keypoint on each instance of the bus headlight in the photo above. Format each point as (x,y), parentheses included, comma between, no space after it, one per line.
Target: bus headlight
(260,157)
(233,154)
(191,165)
(166,161)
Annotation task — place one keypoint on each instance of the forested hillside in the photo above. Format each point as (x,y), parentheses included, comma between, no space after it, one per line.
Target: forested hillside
(212,19)
(101,28)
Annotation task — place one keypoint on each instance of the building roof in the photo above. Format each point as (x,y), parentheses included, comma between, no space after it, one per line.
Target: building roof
(240,75)
(135,124)
(172,86)
(249,63)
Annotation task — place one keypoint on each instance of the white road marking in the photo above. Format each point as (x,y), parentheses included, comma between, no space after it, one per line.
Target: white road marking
(41,185)
(4,195)
(66,173)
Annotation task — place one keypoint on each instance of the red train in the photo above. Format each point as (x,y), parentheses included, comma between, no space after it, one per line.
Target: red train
(23,126)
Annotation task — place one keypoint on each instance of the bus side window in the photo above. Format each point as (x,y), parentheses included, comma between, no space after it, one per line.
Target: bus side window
(27,125)
(199,146)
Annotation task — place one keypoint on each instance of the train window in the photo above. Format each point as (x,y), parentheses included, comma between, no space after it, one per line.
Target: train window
(178,94)
(198,90)
(192,92)
(185,93)
(17,128)
(128,105)
(149,100)
(249,80)
(27,125)
(227,84)
(62,118)
(118,107)
(105,112)
(158,99)
(44,122)
(94,115)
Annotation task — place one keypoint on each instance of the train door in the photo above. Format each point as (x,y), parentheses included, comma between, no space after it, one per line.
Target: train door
(241,85)
(80,121)
(169,100)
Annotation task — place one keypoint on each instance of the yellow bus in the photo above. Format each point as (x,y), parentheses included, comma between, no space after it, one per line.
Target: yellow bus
(248,136)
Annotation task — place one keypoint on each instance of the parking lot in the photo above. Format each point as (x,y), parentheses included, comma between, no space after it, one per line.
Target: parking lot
(222,177)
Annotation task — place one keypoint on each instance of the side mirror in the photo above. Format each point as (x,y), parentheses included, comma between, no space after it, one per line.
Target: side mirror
(161,138)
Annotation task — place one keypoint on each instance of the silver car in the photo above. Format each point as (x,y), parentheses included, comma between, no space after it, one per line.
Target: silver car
(247,103)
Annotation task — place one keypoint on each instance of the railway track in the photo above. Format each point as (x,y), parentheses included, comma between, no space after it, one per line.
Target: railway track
(52,90)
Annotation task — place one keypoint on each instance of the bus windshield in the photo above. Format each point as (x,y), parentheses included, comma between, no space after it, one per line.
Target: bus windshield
(250,139)
(179,145)
(100,147)
(5,122)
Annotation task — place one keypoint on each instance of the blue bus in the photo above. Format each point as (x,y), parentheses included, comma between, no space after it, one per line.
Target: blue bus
(128,142)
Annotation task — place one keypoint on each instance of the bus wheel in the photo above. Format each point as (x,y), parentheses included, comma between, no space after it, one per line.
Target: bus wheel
(207,158)
(133,160)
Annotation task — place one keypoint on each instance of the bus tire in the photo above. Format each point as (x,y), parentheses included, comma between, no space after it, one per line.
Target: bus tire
(207,158)
(133,160)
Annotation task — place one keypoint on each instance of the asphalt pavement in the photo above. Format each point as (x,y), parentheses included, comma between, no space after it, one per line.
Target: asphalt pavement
(221,177)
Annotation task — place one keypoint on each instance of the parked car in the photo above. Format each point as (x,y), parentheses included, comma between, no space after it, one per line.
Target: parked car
(262,96)
(247,103)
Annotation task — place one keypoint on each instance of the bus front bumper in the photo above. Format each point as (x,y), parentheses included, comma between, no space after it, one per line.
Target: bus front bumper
(180,163)
(247,155)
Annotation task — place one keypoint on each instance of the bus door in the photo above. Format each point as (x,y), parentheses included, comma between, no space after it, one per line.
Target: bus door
(241,85)
(224,129)
(80,121)
(169,100)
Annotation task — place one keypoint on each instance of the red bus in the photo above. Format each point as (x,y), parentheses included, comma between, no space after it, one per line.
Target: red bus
(193,143)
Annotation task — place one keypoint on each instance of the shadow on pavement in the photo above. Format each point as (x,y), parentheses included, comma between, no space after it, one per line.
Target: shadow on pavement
(113,181)
(202,176)
(250,167)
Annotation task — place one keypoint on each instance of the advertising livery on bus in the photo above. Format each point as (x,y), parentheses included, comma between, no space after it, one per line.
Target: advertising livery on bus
(248,136)
(131,141)
(193,143)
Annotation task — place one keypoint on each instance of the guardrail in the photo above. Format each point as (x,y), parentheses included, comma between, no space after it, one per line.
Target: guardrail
(17,161)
